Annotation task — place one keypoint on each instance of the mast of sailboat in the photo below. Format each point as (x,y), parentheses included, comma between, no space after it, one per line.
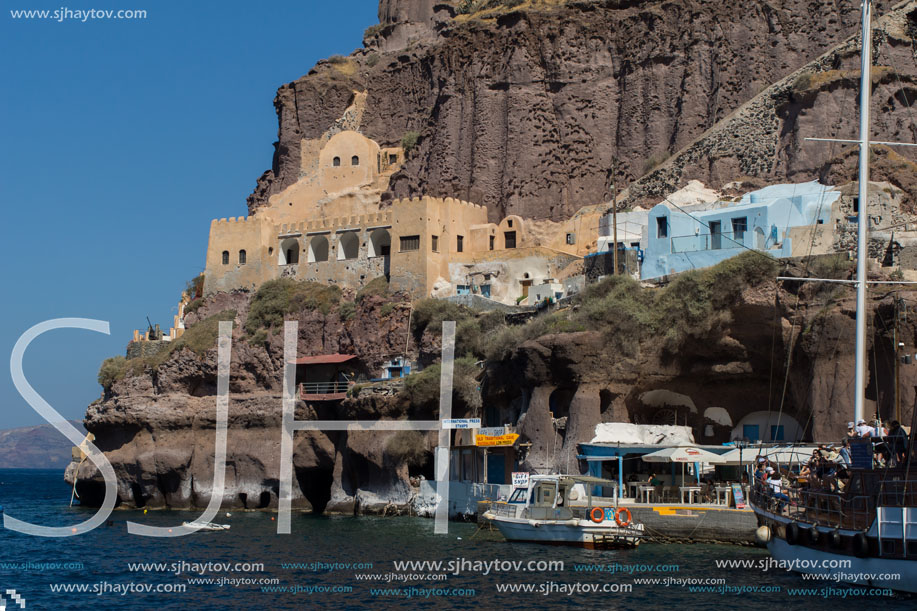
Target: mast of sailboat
(862,216)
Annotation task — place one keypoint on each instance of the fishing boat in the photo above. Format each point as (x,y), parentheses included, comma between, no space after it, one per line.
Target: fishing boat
(558,510)
(863,530)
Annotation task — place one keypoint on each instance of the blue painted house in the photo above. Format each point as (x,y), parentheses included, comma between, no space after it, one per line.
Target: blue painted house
(679,240)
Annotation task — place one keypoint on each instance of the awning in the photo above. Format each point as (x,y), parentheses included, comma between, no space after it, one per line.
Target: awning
(780,455)
(324,359)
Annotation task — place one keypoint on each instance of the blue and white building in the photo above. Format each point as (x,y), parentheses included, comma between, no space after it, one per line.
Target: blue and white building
(682,239)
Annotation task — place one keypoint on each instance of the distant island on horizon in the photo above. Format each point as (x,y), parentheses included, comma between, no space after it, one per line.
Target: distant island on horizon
(36,447)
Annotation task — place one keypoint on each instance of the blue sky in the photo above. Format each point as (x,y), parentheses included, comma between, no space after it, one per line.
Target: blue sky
(119,142)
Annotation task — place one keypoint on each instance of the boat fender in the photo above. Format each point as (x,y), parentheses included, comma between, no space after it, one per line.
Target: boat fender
(860,545)
(792,533)
(627,520)
(597,515)
(835,539)
(813,535)
(763,535)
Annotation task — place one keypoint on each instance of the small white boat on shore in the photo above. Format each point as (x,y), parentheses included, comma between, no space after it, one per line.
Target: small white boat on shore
(552,510)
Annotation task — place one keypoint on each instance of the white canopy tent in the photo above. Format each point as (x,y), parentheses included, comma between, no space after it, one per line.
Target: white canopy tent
(776,454)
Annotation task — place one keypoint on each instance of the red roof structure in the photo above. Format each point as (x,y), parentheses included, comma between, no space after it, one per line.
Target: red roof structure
(324,359)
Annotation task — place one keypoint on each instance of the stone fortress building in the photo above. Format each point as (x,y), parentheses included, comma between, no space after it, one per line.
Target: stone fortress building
(332,227)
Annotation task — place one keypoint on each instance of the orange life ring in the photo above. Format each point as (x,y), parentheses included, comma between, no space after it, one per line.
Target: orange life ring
(597,518)
(623,523)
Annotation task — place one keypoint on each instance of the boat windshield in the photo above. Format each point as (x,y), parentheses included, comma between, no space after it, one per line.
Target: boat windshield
(518,496)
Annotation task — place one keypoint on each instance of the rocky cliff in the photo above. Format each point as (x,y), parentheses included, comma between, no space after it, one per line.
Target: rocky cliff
(526,106)
(709,350)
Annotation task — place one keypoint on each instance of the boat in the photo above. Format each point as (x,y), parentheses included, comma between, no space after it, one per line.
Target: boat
(864,532)
(558,510)
(205,525)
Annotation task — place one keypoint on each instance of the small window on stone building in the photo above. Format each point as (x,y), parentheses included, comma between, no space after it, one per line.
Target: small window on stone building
(459,243)
(410,242)
(509,222)
(492,240)
(354,160)
(856,205)
(392,159)
(662,227)
(241,257)
(225,257)
(509,239)
(571,238)
(434,243)
(336,162)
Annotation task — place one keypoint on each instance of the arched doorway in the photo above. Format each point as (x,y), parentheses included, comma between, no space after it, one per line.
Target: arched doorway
(289,252)
(348,245)
(318,249)
(380,245)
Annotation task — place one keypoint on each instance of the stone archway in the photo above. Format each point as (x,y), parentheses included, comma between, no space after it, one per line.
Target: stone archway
(318,249)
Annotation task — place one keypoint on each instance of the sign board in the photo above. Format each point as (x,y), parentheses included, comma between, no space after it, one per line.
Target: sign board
(738,495)
(861,453)
(462,423)
(520,479)
(489,441)
(493,431)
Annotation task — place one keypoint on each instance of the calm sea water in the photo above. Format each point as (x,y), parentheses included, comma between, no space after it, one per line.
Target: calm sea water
(100,563)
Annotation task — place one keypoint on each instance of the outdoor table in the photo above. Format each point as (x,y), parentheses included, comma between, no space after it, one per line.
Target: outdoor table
(633,488)
(726,492)
(646,491)
(690,490)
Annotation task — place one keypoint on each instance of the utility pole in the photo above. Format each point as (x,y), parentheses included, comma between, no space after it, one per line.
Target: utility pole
(614,211)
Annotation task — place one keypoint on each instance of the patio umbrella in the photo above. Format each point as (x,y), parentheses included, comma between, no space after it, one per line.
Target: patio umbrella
(683,455)
(780,455)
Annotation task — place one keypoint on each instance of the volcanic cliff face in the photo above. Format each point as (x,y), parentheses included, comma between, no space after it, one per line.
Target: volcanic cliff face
(787,352)
(525,109)
(156,424)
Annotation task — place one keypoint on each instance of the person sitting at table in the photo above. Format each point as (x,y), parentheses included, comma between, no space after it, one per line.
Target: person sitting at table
(654,480)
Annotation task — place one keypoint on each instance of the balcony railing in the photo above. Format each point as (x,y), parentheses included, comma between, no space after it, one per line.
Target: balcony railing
(312,389)
(705,241)
(824,507)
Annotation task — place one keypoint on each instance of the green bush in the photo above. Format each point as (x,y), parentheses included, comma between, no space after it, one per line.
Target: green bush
(203,336)
(432,312)
(195,287)
(422,389)
(386,309)
(375,287)
(348,310)
(409,141)
(194,306)
(408,447)
(111,371)
(372,31)
(278,298)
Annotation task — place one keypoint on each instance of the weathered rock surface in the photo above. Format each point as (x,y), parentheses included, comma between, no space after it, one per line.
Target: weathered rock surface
(157,427)
(523,110)
(560,386)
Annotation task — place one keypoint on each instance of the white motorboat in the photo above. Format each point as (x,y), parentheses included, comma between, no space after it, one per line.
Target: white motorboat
(558,509)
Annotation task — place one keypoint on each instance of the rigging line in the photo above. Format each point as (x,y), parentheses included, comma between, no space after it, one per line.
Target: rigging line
(808,261)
